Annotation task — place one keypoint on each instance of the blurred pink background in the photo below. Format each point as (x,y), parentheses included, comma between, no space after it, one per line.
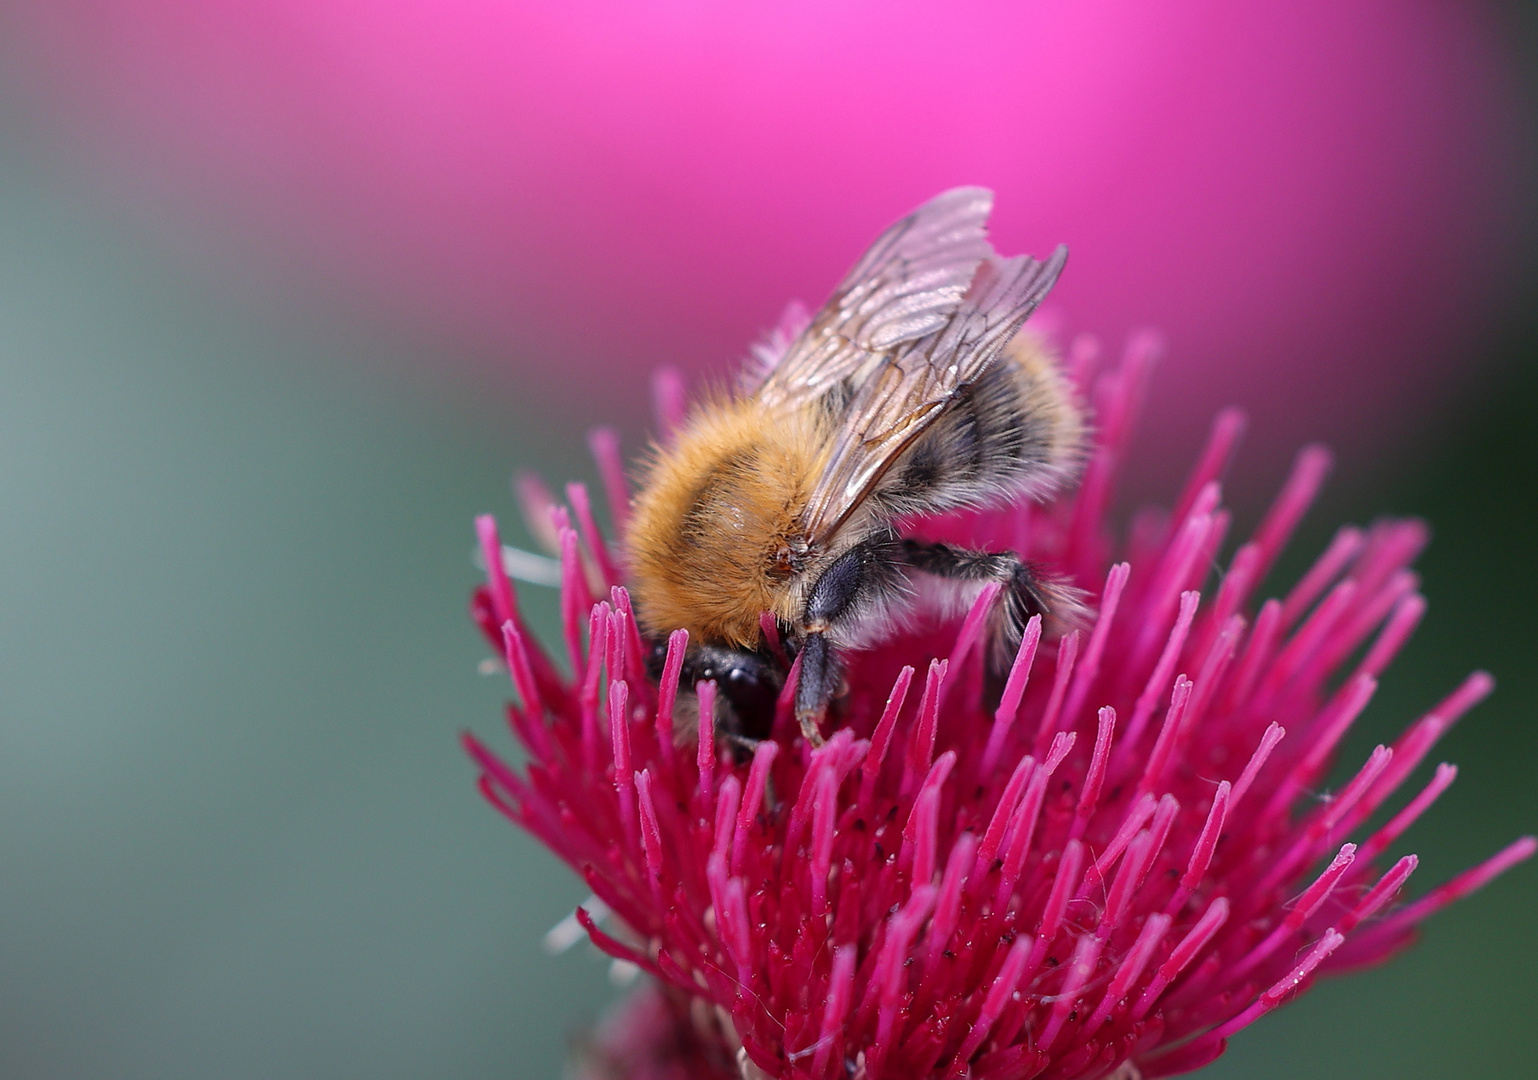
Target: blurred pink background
(1315,201)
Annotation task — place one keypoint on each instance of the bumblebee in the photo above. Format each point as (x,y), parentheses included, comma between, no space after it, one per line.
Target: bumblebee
(908,394)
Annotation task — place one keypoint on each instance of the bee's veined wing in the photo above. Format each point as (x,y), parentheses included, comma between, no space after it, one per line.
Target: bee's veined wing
(908,285)
(909,386)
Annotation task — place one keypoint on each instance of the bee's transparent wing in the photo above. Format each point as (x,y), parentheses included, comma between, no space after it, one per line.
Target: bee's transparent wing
(908,285)
(908,385)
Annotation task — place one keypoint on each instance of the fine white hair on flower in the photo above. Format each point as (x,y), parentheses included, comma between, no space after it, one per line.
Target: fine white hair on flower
(566,933)
(524,565)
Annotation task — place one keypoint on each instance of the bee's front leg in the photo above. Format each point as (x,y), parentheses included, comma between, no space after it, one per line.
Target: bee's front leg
(816,684)
(855,590)
(834,595)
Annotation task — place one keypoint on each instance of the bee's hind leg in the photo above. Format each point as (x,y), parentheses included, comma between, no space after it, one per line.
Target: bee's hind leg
(1027,591)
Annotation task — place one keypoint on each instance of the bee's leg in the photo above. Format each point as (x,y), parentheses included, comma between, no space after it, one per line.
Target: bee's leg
(857,584)
(1027,591)
(816,685)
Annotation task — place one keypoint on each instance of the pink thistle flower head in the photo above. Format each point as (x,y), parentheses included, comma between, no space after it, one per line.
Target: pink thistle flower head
(1107,872)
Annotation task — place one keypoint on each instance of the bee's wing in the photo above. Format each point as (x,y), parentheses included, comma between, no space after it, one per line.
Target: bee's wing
(908,285)
(908,385)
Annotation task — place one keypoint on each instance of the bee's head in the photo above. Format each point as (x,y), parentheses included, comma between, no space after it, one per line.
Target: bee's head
(712,540)
(748,684)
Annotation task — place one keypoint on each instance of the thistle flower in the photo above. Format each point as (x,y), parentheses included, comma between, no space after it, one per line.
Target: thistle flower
(1112,871)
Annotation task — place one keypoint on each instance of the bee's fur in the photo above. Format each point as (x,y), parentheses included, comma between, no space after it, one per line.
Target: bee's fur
(714,510)
(714,536)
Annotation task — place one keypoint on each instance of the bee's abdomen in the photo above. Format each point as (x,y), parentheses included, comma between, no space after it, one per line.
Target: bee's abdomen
(1016,430)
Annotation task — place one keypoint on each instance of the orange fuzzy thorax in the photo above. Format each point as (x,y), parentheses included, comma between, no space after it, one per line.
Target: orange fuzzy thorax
(716,514)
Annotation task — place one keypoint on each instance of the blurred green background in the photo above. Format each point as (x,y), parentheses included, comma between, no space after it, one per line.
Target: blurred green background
(237,836)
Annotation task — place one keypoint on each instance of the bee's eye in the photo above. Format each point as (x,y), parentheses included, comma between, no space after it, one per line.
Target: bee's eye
(656,660)
(742,677)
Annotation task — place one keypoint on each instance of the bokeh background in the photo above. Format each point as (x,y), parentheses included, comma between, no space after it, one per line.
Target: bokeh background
(287,290)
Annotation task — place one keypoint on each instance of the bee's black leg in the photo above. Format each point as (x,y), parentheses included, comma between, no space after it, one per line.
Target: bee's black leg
(1027,591)
(850,582)
(816,684)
